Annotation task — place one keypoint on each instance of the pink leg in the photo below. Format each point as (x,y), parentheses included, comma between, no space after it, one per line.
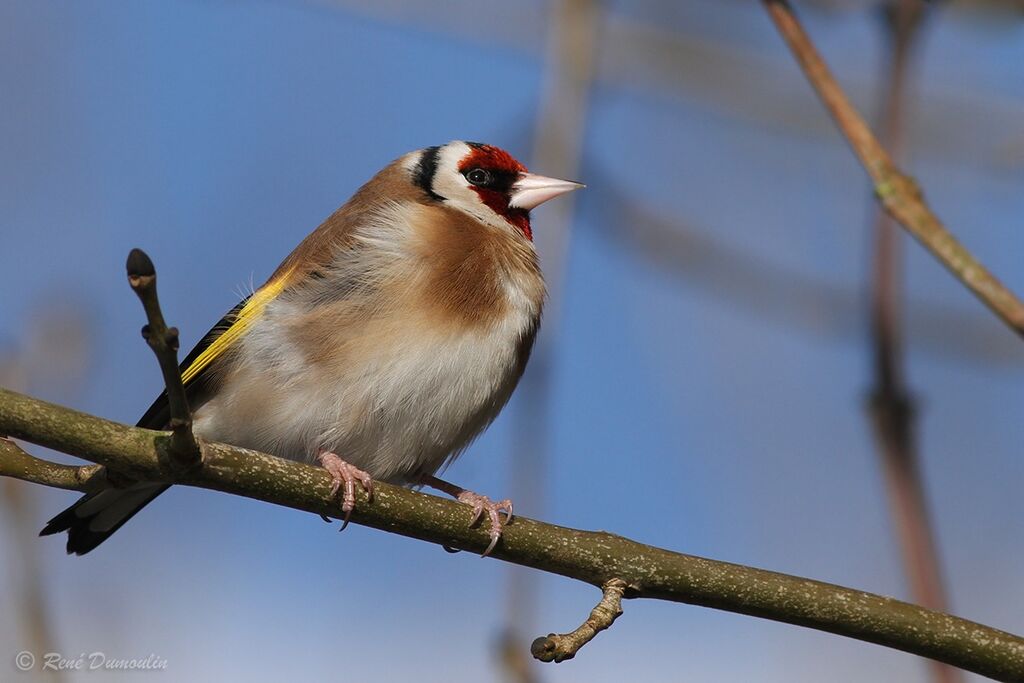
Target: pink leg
(345,474)
(481,504)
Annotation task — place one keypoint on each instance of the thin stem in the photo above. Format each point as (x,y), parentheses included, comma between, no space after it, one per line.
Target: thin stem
(184,448)
(892,406)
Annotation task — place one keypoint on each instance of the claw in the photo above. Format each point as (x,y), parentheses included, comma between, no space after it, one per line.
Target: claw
(483,504)
(480,505)
(478,511)
(344,474)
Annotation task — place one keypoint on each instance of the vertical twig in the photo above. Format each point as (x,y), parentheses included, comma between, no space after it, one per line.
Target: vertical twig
(185,450)
(891,404)
(558,145)
(29,596)
(55,354)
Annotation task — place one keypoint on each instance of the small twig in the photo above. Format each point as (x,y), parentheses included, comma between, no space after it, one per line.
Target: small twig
(17,463)
(558,647)
(184,449)
(898,193)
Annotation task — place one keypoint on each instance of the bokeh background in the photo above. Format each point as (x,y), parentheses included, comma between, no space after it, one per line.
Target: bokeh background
(702,377)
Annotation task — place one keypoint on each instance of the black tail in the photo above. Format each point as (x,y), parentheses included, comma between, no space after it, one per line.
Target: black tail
(97,515)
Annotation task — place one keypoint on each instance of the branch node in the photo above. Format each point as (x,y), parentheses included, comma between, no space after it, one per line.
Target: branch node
(556,647)
(172,338)
(885,190)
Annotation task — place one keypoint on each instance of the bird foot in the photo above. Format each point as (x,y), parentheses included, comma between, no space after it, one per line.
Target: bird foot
(344,474)
(483,504)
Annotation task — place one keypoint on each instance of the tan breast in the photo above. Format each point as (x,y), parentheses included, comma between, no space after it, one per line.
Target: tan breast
(475,274)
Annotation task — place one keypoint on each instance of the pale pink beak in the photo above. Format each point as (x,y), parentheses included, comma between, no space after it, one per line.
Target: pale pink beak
(532,190)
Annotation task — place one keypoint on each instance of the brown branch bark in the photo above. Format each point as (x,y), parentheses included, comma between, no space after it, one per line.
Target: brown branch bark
(592,557)
(898,193)
(892,406)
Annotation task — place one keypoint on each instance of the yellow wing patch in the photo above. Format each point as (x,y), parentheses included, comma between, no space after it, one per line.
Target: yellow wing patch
(249,314)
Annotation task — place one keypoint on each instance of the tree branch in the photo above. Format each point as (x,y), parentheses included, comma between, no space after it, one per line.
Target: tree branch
(17,464)
(592,557)
(898,193)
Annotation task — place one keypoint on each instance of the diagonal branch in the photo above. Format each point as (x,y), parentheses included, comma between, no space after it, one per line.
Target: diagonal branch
(898,193)
(592,557)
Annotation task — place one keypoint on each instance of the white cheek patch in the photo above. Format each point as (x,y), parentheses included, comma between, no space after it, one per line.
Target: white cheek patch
(456,190)
(448,182)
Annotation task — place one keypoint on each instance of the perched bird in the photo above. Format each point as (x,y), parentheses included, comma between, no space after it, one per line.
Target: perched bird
(381,346)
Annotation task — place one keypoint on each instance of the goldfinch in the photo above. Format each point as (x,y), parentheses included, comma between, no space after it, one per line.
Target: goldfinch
(381,346)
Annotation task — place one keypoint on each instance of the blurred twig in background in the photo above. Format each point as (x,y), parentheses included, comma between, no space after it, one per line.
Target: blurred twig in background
(573,27)
(898,193)
(33,616)
(891,404)
(810,305)
(52,358)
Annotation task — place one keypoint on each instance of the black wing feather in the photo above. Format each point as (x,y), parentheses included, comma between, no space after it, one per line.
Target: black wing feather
(198,389)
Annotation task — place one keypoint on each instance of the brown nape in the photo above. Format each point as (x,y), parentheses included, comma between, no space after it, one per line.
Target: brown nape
(392,184)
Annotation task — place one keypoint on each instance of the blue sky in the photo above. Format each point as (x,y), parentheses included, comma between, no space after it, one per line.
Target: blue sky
(686,411)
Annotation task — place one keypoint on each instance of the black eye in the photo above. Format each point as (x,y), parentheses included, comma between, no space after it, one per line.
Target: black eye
(478,176)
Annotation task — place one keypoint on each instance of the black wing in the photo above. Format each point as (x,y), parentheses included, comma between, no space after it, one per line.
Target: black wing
(198,389)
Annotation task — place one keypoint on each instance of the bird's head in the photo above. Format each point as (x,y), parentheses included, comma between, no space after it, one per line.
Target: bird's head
(485,182)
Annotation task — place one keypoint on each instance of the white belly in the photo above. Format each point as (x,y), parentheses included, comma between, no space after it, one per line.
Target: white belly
(397,403)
